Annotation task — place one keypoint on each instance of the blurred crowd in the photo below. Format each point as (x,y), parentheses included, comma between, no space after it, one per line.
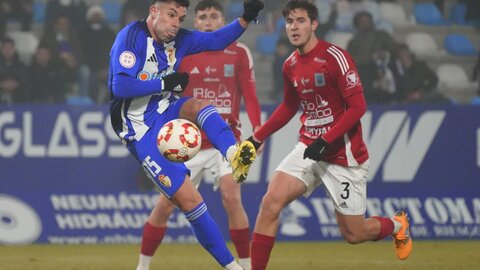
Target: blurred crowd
(70,59)
(70,62)
(390,72)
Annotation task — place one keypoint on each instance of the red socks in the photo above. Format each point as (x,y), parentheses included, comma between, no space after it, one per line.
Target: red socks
(241,240)
(151,239)
(262,245)
(386,227)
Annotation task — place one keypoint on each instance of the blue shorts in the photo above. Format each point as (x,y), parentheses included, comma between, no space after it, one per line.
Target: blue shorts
(168,176)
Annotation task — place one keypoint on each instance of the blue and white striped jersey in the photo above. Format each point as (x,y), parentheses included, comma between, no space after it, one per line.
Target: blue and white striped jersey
(137,64)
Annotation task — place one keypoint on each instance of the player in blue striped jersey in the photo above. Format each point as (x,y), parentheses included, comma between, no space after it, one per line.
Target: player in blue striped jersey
(144,84)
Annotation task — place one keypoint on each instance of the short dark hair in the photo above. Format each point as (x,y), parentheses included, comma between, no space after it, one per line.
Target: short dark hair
(307,5)
(206,4)
(182,3)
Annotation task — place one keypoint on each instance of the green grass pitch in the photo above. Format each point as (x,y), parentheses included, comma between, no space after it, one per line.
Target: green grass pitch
(438,255)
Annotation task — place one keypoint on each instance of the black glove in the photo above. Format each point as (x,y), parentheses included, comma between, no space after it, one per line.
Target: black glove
(255,143)
(251,8)
(315,150)
(175,82)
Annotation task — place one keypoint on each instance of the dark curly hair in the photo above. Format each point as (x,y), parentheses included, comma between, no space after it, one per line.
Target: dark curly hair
(307,5)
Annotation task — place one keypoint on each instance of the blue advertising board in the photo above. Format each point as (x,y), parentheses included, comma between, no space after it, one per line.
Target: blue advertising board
(65,178)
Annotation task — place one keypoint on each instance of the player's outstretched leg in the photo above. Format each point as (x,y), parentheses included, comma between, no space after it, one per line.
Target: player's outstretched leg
(402,240)
(221,136)
(241,161)
(209,236)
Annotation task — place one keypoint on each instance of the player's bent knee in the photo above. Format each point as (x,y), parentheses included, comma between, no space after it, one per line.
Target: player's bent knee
(191,108)
(271,206)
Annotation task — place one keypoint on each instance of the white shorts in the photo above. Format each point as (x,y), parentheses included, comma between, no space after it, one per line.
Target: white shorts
(346,186)
(208,161)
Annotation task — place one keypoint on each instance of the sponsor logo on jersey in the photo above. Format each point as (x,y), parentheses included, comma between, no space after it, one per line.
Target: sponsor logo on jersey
(227,51)
(165,180)
(320,79)
(228,70)
(211,80)
(319,60)
(195,71)
(352,78)
(143,75)
(223,92)
(210,69)
(306,91)
(305,81)
(127,59)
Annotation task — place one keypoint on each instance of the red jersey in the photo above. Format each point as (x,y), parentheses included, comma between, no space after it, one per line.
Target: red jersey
(325,82)
(223,77)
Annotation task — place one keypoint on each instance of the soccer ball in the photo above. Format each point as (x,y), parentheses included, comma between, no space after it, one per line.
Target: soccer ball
(179,140)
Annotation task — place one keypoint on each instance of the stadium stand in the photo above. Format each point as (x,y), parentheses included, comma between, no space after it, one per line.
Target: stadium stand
(428,13)
(457,14)
(112,11)
(459,44)
(265,43)
(395,14)
(454,82)
(340,39)
(26,44)
(431,35)
(39,11)
(422,44)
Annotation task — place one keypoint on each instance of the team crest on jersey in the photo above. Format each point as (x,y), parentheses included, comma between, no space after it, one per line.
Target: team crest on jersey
(320,79)
(165,180)
(228,70)
(127,59)
(352,78)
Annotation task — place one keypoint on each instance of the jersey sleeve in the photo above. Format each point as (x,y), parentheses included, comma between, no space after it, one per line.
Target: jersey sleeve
(126,57)
(246,81)
(127,52)
(216,40)
(344,72)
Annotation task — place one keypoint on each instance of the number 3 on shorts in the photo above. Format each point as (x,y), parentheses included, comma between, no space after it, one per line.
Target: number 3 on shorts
(346,192)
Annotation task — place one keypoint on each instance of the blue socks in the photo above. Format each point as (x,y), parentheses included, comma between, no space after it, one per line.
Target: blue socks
(208,234)
(218,132)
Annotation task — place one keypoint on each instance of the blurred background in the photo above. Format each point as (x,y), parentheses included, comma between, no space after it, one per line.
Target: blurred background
(65,178)
(406,51)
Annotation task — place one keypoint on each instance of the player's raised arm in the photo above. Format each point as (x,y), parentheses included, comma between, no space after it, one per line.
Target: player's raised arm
(221,38)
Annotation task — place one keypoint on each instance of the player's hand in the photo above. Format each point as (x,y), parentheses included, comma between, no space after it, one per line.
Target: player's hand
(251,8)
(316,149)
(175,82)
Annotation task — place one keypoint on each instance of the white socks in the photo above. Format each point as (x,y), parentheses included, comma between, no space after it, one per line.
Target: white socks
(245,263)
(144,262)
(231,151)
(233,266)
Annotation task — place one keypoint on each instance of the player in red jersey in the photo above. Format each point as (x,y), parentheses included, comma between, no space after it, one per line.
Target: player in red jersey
(221,77)
(323,80)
